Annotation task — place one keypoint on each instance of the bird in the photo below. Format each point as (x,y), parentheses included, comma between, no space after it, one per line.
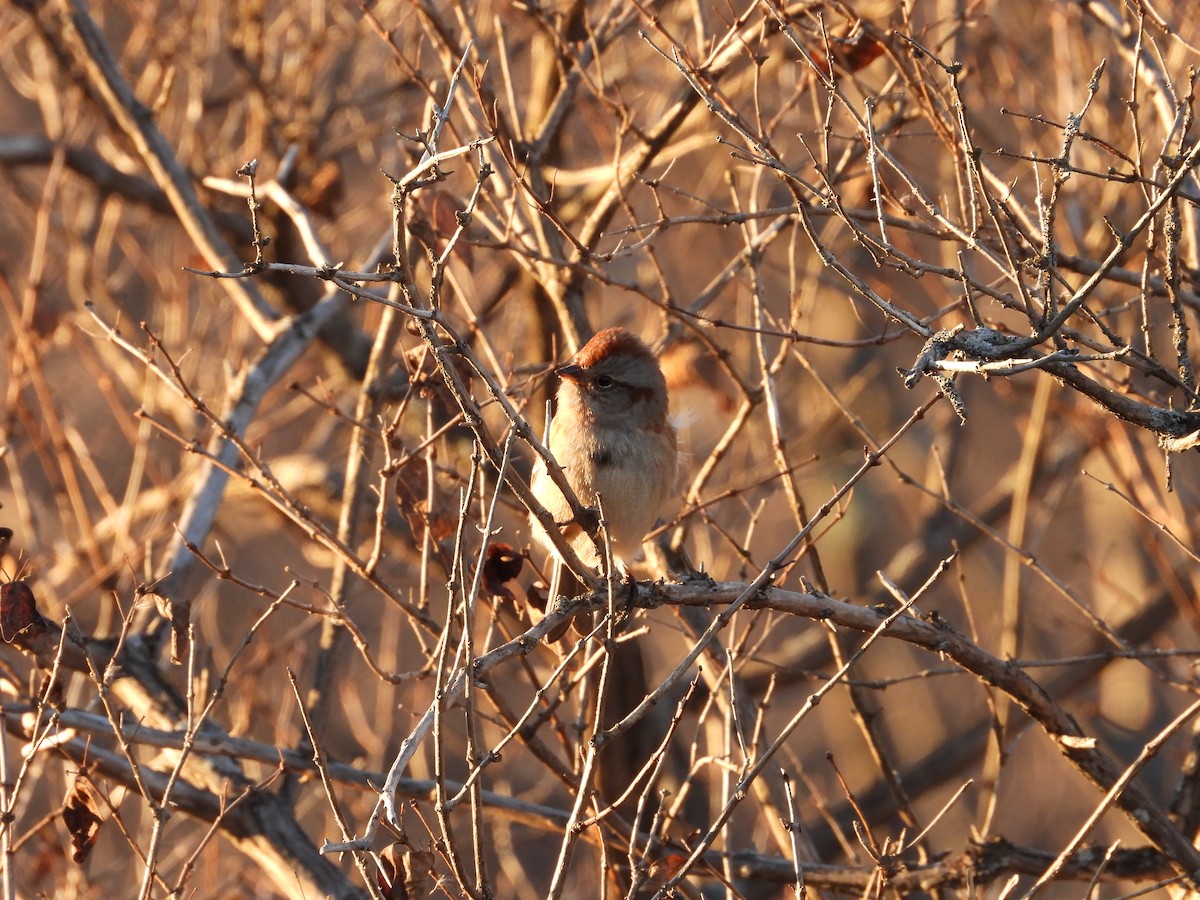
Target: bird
(613,438)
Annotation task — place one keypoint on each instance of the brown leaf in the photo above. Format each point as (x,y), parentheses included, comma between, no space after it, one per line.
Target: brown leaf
(536,595)
(667,862)
(390,874)
(852,54)
(444,212)
(81,815)
(45,321)
(405,874)
(412,501)
(420,878)
(19,613)
(501,565)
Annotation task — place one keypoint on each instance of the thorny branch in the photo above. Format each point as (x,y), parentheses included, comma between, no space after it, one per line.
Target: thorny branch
(808,209)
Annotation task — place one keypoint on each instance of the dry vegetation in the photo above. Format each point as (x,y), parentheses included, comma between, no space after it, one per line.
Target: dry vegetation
(922,276)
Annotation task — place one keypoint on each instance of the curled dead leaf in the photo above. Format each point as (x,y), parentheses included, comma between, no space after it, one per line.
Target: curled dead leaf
(850,54)
(404,873)
(19,616)
(501,565)
(81,814)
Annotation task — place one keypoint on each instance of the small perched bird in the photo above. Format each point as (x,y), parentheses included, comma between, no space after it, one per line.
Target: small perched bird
(612,438)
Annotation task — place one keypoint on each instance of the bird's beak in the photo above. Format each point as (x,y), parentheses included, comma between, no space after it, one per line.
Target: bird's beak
(571,372)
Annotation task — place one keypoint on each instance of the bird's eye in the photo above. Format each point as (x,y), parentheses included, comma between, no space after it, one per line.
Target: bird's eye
(604,382)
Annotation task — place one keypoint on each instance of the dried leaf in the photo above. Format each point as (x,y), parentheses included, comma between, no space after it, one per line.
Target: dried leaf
(412,500)
(851,54)
(419,875)
(405,874)
(390,873)
(501,566)
(81,815)
(19,613)
(536,596)
(667,861)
